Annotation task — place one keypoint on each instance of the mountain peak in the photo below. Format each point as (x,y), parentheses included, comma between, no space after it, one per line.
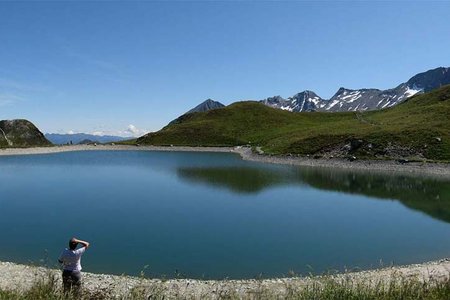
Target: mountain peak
(340,91)
(430,80)
(206,105)
(303,101)
(307,93)
(209,100)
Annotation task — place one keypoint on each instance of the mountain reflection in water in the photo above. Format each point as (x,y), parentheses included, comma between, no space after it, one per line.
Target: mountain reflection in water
(426,194)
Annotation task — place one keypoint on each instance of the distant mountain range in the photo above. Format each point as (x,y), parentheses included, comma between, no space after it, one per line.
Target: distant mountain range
(352,100)
(77,138)
(363,99)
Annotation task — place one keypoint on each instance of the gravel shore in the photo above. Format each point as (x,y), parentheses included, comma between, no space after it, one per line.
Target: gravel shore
(22,277)
(441,170)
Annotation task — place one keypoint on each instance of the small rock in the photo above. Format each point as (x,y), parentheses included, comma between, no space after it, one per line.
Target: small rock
(352,158)
(355,144)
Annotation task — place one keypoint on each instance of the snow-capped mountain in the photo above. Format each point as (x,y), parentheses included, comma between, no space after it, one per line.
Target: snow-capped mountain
(347,99)
(363,99)
(304,101)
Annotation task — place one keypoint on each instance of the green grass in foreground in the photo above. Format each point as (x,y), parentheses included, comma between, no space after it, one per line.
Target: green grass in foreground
(418,128)
(323,288)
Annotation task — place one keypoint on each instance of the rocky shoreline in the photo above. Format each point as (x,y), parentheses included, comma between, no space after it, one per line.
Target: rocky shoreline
(22,277)
(441,170)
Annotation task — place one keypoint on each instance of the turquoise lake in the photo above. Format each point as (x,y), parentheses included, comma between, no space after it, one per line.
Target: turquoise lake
(213,215)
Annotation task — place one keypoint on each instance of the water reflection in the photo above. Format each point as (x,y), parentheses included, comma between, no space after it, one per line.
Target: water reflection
(237,179)
(215,215)
(426,194)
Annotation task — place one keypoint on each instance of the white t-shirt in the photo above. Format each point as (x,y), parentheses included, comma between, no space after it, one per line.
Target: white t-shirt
(71,259)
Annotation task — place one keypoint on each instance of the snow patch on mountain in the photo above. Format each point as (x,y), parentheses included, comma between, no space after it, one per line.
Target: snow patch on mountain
(362,99)
(412,91)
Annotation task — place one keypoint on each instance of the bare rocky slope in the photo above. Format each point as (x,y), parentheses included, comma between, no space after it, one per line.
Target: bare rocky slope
(20,133)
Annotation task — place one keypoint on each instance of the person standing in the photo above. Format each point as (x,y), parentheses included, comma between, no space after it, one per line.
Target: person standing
(70,259)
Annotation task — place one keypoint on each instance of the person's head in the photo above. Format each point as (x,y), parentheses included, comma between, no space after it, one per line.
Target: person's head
(72,244)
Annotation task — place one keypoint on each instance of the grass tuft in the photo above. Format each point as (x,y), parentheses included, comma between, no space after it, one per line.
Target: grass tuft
(327,287)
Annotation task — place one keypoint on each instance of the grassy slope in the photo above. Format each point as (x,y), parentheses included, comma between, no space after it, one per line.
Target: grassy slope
(410,128)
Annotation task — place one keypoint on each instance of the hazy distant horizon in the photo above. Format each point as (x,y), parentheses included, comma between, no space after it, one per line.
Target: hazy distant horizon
(120,68)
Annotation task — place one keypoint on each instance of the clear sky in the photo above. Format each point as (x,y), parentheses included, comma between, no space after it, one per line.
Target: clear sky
(103,66)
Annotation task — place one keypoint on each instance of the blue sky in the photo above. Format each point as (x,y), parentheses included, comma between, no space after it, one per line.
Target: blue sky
(103,66)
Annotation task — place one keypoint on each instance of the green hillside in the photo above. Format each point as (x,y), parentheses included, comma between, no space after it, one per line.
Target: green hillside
(418,128)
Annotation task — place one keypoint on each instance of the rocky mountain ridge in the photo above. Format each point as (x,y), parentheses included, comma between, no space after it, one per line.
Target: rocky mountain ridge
(363,99)
(304,101)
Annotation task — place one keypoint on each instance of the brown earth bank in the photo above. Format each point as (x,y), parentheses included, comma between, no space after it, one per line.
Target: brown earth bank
(20,278)
(434,169)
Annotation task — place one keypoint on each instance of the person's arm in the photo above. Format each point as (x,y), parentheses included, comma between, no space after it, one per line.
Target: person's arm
(60,258)
(84,243)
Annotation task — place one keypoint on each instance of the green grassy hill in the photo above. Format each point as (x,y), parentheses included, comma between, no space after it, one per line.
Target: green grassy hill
(418,128)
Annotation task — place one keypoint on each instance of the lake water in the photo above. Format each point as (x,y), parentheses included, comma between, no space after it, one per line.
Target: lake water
(213,215)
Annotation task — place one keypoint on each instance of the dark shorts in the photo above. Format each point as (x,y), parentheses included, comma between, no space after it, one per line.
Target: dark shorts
(71,279)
